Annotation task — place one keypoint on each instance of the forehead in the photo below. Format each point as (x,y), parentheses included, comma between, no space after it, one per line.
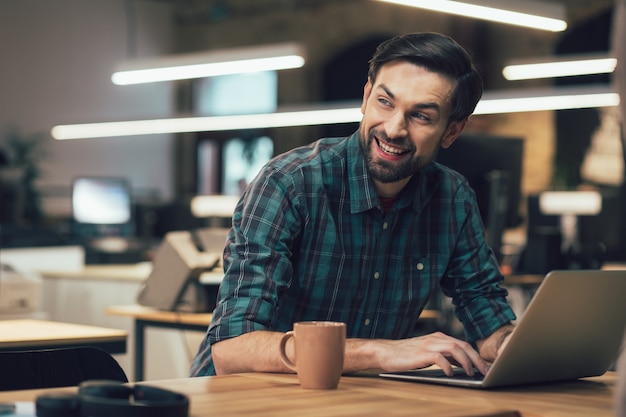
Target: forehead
(413,83)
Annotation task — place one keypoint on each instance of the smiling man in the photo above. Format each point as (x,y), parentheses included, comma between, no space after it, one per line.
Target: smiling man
(364,229)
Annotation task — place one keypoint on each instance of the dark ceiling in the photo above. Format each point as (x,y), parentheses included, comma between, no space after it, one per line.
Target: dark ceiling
(198,11)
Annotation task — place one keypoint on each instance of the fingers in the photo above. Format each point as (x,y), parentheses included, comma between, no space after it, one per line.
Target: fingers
(463,355)
(433,349)
(444,364)
(451,351)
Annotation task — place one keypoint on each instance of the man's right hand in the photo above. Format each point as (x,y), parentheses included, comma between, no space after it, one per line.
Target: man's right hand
(413,353)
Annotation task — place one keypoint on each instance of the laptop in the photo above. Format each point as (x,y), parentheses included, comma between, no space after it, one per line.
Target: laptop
(572,328)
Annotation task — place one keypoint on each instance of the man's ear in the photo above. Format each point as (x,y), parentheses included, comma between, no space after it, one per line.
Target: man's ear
(367,90)
(452,132)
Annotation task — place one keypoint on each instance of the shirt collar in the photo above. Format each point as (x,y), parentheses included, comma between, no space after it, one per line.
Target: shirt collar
(363,195)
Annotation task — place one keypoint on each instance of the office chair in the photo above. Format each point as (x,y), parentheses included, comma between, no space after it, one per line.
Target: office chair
(51,368)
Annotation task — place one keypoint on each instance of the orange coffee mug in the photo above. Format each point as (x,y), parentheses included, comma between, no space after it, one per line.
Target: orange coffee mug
(319,348)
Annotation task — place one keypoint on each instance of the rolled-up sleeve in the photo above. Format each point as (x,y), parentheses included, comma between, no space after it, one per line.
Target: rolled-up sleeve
(257,257)
(473,279)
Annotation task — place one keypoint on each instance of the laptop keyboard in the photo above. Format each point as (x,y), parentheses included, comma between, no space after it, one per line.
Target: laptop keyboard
(458,373)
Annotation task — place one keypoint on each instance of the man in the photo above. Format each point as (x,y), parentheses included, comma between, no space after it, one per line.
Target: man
(363,229)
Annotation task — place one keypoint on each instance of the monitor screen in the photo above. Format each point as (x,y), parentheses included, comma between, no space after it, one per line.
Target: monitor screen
(493,167)
(243,158)
(101,200)
(226,163)
(477,156)
(102,208)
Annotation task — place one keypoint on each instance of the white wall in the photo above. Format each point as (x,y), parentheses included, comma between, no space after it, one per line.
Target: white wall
(56,59)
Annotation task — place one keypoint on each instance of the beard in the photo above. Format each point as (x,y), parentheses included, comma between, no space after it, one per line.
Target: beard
(387,171)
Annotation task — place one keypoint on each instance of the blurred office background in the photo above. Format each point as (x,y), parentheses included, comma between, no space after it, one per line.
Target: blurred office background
(57,58)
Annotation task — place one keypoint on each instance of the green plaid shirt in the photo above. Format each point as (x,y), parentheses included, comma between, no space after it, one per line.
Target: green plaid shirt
(310,242)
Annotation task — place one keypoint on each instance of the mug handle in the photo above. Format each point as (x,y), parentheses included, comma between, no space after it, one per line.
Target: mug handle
(283,343)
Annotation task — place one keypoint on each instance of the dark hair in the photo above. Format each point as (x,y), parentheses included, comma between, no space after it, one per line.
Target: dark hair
(437,53)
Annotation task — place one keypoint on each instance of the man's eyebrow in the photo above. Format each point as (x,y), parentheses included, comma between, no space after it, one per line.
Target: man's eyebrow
(387,91)
(430,105)
(423,106)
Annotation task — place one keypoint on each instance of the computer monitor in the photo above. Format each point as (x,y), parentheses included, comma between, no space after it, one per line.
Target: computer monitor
(102,207)
(243,158)
(493,167)
(227,162)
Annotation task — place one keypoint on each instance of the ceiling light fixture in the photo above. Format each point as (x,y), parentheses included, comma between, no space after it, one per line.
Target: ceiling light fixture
(213,205)
(317,116)
(566,66)
(565,98)
(210,64)
(509,101)
(526,13)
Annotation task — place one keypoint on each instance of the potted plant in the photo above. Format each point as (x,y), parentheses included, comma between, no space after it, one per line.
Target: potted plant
(19,169)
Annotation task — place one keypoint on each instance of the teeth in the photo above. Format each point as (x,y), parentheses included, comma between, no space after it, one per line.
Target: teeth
(389,149)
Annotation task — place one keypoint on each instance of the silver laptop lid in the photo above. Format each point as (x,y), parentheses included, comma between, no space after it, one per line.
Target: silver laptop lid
(572,328)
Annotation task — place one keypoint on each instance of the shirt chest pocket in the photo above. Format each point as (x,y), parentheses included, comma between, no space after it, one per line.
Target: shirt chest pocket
(408,290)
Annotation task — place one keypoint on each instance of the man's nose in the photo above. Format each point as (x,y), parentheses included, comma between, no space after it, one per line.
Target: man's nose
(396,126)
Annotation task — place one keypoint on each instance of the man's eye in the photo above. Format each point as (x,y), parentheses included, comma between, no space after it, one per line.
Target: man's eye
(384,101)
(420,116)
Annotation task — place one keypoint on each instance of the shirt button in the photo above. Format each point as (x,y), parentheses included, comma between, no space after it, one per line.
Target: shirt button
(376,275)
(385,225)
(420,266)
(367,322)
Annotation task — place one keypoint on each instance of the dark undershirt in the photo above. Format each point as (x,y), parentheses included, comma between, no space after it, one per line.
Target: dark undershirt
(387,203)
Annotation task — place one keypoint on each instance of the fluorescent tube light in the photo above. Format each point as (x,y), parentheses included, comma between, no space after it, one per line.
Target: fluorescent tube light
(319,116)
(513,101)
(570,202)
(493,11)
(569,205)
(560,67)
(213,205)
(492,103)
(210,64)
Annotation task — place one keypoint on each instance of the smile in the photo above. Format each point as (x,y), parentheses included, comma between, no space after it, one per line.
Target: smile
(390,150)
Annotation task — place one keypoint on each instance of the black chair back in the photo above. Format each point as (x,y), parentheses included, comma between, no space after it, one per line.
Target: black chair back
(51,368)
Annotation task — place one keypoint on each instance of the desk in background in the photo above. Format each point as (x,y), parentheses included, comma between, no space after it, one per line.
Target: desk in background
(279,395)
(41,334)
(149,317)
(85,295)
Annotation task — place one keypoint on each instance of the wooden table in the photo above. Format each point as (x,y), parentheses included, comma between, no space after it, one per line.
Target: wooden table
(279,395)
(145,317)
(30,334)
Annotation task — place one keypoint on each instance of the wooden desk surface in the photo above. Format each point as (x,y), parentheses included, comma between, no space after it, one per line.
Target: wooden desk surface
(113,272)
(153,314)
(29,333)
(138,272)
(279,395)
